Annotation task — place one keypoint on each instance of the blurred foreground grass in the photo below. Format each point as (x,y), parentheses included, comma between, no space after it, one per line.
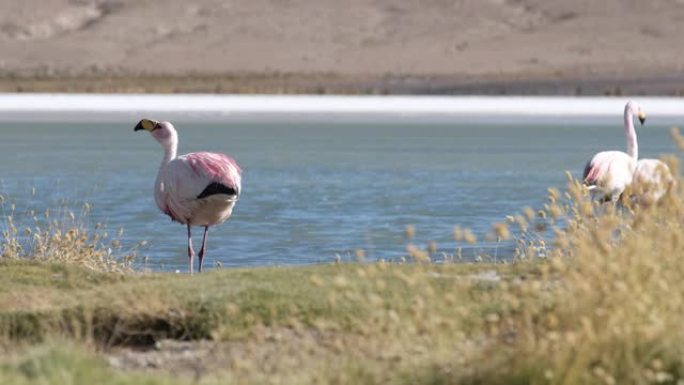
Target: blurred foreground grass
(603,305)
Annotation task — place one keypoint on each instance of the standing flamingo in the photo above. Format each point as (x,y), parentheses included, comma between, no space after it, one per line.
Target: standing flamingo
(196,189)
(652,179)
(610,172)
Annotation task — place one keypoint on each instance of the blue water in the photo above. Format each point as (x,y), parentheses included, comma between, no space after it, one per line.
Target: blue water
(311,191)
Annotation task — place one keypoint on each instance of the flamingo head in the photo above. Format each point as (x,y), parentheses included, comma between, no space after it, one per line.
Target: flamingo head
(163,132)
(635,110)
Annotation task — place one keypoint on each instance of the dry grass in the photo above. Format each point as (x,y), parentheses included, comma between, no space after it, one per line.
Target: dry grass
(64,235)
(606,307)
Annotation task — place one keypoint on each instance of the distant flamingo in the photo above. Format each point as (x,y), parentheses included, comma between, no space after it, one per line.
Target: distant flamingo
(610,172)
(196,189)
(652,179)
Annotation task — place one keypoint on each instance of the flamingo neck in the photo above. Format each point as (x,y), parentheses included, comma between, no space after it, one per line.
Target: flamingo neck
(170,149)
(630,133)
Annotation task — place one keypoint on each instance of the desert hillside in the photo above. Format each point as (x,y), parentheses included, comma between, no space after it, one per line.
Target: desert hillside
(380,44)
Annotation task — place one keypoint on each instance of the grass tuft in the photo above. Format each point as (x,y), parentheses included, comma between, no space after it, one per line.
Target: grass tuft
(61,236)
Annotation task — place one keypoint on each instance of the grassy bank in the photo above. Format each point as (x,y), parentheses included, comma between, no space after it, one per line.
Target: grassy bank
(339,323)
(43,300)
(600,303)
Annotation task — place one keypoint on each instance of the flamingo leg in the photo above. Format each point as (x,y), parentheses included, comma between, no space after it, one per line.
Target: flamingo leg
(191,252)
(202,250)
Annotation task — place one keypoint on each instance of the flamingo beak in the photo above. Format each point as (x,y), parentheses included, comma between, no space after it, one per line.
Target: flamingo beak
(642,117)
(147,125)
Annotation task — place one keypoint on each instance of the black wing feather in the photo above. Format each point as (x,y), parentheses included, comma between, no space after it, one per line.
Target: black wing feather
(217,188)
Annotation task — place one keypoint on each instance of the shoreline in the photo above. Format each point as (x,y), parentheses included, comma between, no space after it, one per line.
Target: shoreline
(349,84)
(75,107)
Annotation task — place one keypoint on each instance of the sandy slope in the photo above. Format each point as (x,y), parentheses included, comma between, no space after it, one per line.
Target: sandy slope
(460,40)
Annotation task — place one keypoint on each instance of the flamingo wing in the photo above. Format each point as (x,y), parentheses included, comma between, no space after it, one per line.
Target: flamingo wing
(189,179)
(611,171)
(593,172)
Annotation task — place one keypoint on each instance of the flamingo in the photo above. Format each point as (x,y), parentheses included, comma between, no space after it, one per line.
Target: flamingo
(653,180)
(196,189)
(612,171)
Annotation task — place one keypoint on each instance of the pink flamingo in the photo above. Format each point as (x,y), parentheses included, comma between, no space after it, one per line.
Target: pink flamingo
(652,179)
(196,189)
(610,172)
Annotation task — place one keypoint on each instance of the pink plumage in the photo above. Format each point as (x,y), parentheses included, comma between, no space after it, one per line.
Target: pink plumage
(593,172)
(183,184)
(610,172)
(196,189)
(609,168)
(218,167)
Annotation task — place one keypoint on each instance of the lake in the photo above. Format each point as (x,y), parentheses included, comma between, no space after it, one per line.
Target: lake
(312,191)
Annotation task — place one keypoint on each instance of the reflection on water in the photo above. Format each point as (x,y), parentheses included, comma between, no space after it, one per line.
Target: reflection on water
(311,191)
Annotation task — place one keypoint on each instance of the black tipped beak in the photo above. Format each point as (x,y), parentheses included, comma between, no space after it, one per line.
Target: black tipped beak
(147,125)
(642,119)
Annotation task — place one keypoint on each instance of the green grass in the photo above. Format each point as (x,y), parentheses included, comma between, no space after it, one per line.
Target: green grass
(38,300)
(351,315)
(66,363)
